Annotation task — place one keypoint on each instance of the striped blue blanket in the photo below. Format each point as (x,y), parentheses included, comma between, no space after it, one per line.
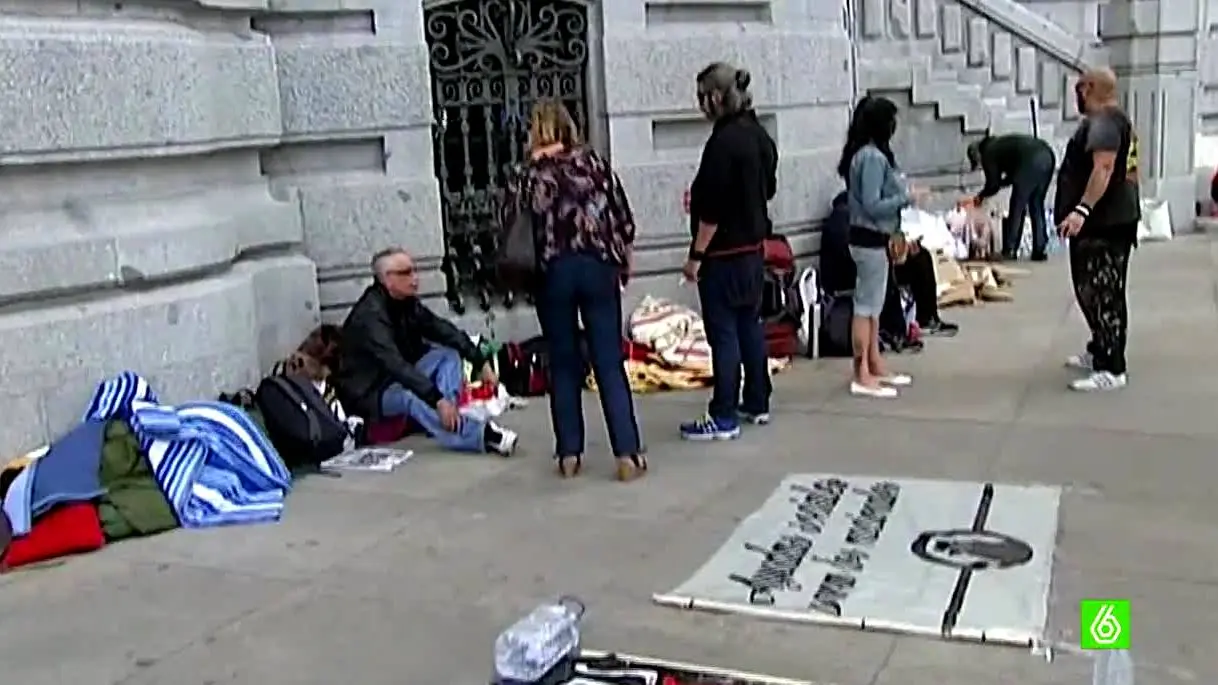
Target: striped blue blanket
(212,462)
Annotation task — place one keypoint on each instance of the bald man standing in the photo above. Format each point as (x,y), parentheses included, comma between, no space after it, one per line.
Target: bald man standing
(1097,208)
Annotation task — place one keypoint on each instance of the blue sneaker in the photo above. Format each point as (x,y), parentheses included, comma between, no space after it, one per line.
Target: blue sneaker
(707,428)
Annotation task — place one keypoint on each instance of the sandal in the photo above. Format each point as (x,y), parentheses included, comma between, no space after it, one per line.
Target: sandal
(631,468)
(569,466)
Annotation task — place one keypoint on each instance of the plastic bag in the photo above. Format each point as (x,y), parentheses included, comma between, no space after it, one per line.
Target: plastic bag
(1155,225)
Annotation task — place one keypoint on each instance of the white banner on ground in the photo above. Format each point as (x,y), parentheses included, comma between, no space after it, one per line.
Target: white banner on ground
(962,560)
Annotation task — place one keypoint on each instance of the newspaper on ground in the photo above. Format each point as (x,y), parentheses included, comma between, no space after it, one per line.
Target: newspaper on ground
(380,459)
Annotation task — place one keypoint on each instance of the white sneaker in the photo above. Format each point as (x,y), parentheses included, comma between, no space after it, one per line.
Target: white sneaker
(897,380)
(883,392)
(500,440)
(1083,361)
(1100,381)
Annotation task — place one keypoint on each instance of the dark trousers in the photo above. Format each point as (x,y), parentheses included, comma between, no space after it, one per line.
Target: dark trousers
(918,274)
(574,287)
(1099,270)
(1028,191)
(730,292)
(892,316)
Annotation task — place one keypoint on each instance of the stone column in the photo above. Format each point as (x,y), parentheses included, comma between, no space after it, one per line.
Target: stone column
(1152,47)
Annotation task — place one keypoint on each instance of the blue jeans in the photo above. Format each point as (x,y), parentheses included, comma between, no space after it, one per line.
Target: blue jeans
(730,292)
(581,286)
(1028,191)
(444,367)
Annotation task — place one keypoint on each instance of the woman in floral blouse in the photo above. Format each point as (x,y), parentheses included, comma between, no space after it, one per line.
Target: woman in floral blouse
(585,235)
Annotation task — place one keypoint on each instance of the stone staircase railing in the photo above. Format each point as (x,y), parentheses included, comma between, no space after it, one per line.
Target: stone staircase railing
(980,64)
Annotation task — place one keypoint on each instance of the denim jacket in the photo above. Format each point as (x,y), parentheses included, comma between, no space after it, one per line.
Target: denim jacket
(877,192)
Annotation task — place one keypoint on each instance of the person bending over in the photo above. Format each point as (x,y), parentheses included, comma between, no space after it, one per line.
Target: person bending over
(399,359)
(1026,164)
(729,219)
(1098,208)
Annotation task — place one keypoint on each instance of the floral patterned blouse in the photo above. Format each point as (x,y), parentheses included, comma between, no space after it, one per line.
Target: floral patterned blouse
(578,203)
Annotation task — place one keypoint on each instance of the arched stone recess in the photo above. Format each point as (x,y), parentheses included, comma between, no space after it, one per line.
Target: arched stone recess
(138,232)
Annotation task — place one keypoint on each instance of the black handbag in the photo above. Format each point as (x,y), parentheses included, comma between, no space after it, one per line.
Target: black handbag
(518,262)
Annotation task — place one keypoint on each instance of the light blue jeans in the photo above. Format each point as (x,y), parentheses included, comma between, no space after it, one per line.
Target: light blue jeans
(444,367)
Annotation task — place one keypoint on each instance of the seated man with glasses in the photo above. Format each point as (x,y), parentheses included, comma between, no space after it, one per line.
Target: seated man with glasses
(399,359)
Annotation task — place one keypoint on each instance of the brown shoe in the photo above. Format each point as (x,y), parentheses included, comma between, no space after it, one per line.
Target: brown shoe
(631,468)
(569,467)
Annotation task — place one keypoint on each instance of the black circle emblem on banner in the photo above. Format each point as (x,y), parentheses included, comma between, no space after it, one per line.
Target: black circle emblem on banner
(976,550)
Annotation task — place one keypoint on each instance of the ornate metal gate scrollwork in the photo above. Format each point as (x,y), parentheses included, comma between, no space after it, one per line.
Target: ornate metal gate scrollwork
(490,61)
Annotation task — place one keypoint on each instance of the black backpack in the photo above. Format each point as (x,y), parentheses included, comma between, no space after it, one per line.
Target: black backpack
(836,314)
(524,368)
(299,423)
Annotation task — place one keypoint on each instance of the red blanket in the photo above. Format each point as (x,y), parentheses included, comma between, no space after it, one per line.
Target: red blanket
(67,529)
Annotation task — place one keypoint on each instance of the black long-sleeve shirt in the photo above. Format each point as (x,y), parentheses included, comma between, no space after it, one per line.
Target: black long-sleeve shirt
(737,177)
(1004,157)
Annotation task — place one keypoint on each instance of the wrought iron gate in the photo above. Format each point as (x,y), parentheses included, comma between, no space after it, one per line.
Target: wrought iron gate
(490,61)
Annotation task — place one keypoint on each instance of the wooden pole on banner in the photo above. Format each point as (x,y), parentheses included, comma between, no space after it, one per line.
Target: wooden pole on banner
(998,637)
(650,662)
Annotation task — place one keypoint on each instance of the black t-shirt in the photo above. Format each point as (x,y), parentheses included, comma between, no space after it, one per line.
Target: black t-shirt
(1119,209)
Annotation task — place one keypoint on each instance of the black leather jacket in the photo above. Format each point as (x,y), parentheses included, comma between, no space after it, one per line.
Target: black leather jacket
(383,338)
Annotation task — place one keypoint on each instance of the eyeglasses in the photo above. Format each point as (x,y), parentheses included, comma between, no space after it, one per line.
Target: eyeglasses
(409,271)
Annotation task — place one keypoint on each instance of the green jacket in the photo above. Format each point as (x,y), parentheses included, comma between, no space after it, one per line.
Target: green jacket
(133,505)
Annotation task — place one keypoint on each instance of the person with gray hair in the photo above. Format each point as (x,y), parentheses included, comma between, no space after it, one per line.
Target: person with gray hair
(399,359)
(729,220)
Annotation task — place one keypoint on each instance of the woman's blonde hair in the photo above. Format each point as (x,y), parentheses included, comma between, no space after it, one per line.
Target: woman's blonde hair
(552,123)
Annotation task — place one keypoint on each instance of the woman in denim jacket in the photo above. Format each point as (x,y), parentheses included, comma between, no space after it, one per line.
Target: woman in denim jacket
(876,194)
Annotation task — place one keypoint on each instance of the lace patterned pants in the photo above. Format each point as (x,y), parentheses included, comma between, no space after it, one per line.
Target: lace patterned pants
(1099,270)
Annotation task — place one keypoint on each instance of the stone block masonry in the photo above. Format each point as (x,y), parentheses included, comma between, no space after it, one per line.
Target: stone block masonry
(177,173)
(191,185)
(800,60)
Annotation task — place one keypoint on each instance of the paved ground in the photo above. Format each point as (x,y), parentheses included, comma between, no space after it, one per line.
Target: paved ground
(405,578)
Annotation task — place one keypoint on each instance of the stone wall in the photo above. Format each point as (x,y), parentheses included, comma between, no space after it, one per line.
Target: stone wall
(1208,67)
(645,55)
(800,60)
(152,217)
(191,185)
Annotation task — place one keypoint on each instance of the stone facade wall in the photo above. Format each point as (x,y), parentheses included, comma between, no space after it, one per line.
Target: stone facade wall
(191,185)
(800,60)
(1208,67)
(165,164)
(645,57)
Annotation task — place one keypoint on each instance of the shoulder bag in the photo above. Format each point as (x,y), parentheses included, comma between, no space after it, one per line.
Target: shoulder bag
(517,260)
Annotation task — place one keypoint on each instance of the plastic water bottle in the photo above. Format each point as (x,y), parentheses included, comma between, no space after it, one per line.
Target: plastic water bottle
(1112,667)
(1055,241)
(528,651)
